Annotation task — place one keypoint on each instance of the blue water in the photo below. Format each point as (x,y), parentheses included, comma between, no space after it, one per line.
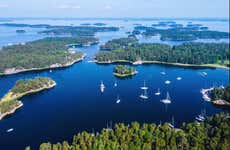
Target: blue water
(76,103)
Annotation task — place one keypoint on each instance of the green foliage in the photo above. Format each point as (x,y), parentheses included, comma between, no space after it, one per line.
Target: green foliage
(22,86)
(8,105)
(118,43)
(178,33)
(41,53)
(221,93)
(124,70)
(187,53)
(78,30)
(214,133)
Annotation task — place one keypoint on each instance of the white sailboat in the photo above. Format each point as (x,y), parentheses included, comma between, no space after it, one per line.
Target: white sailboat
(144,87)
(163,73)
(115,84)
(118,99)
(167,100)
(167,82)
(102,87)
(179,78)
(171,124)
(201,117)
(144,95)
(158,92)
(10,130)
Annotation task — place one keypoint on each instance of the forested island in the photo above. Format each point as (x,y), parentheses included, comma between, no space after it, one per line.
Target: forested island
(10,102)
(180,33)
(124,71)
(221,96)
(84,30)
(99,24)
(26,25)
(187,54)
(78,30)
(20,31)
(41,54)
(213,133)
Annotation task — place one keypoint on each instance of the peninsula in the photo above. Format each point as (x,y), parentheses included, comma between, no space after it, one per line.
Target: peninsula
(42,54)
(123,71)
(10,102)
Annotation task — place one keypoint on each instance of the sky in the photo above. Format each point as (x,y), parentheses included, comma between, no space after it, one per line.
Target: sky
(115,8)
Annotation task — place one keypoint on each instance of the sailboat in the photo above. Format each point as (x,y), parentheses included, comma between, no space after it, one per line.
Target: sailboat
(144,94)
(201,117)
(10,130)
(115,84)
(158,92)
(167,100)
(163,73)
(167,82)
(178,78)
(118,99)
(171,124)
(144,87)
(102,87)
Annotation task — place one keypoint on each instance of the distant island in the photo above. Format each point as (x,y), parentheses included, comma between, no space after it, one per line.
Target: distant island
(186,55)
(10,102)
(20,31)
(26,25)
(84,30)
(124,71)
(221,96)
(213,133)
(177,32)
(99,24)
(42,54)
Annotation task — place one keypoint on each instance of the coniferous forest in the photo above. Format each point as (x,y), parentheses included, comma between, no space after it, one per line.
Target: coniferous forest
(213,134)
(187,53)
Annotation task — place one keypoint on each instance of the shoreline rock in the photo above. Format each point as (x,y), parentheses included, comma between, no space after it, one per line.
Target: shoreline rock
(221,102)
(3,115)
(162,63)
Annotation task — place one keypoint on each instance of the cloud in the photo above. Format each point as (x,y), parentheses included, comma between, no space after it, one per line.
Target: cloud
(4,5)
(69,6)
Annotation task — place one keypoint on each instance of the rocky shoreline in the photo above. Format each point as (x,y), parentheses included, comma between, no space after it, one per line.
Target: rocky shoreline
(11,71)
(163,63)
(3,115)
(221,102)
(125,75)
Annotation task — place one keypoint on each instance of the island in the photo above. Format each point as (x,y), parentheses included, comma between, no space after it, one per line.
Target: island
(99,24)
(77,30)
(123,71)
(221,96)
(20,31)
(191,54)
(26,25)
(42,54)
(176,32)
(213,133)
(10,102)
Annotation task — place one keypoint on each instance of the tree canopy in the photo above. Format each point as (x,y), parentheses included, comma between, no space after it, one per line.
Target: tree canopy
(214,133)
